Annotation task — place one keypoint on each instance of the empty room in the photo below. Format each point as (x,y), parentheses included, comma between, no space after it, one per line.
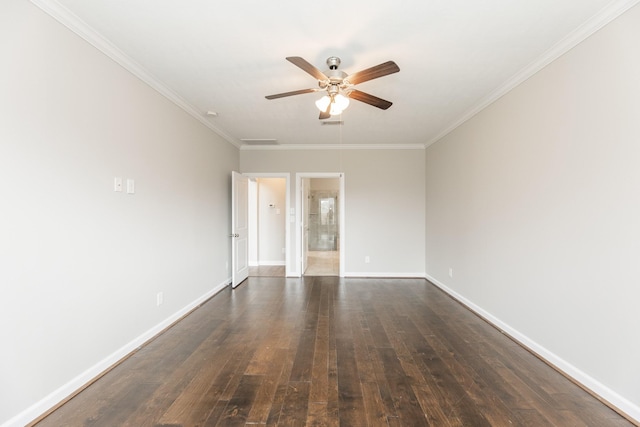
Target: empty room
(470,169)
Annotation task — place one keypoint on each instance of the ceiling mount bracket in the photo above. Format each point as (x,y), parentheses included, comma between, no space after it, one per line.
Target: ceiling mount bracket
(333,62)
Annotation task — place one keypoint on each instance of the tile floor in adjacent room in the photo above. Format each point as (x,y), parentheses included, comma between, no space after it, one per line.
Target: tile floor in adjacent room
(323,263)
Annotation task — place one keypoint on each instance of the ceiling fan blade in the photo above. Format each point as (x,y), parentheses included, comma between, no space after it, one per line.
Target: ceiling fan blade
(305,66)
(370,99)
(327,113)
(381,70)
(295,92)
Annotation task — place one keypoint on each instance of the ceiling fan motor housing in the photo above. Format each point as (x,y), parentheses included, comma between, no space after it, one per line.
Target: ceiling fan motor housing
(335,76)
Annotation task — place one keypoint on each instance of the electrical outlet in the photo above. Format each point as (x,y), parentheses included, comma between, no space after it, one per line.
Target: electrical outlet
(159,298)
(450,272)
(117,184)
(367,260)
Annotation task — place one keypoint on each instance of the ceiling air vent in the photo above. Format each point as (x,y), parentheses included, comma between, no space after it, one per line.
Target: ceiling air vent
(258,141)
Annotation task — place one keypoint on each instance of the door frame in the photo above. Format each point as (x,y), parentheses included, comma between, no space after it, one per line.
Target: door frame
(299,222)
(289,215)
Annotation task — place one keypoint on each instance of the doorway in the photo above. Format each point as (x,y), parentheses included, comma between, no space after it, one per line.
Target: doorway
(321,224)
(268,233)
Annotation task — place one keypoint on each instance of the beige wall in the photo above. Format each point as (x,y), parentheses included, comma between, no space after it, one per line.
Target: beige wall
(81,265)
(384,203)
(535,205)
(325,184)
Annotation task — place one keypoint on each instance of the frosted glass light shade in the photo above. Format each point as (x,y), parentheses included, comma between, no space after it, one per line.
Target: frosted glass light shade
(340,103)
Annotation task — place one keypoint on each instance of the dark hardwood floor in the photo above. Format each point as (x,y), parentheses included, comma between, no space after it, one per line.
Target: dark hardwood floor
(267,270)
(325,351)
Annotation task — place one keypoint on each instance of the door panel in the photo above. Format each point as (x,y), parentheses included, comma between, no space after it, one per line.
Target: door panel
(239,228)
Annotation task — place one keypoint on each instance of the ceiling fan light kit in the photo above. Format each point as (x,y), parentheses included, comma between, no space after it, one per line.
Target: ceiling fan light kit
(338,85)
(338,102)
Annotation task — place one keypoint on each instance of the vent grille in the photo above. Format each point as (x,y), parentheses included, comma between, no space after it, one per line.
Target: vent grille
(257,141)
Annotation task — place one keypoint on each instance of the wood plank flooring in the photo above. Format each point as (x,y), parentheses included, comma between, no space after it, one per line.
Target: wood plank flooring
(267,270)
(325,351)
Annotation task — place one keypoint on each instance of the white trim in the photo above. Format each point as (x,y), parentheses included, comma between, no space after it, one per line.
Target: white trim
(78,26)
(626,407)
(66,390)
(577,36)
(333,146)
(385,275)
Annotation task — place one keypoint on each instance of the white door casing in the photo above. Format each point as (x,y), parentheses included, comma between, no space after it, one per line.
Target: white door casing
(239,228)
(304,222)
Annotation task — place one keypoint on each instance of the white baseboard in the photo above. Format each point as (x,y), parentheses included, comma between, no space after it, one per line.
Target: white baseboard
(620,403)
(385,275)
(57,396)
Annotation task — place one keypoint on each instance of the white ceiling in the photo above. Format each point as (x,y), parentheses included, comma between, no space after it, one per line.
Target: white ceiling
(455,57)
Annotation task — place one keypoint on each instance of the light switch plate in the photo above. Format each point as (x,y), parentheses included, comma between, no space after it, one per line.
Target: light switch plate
(131,186)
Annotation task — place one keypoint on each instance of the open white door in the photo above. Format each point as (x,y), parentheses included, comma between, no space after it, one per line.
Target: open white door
(239,228)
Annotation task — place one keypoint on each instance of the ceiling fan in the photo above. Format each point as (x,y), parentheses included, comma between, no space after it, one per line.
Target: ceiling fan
(338,85)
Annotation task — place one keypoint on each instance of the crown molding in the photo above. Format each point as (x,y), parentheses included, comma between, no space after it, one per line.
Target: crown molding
(577,36)
(79,27)
(281,147)
(75,24)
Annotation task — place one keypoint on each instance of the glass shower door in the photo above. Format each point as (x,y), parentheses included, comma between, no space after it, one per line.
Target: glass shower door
(323,221)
